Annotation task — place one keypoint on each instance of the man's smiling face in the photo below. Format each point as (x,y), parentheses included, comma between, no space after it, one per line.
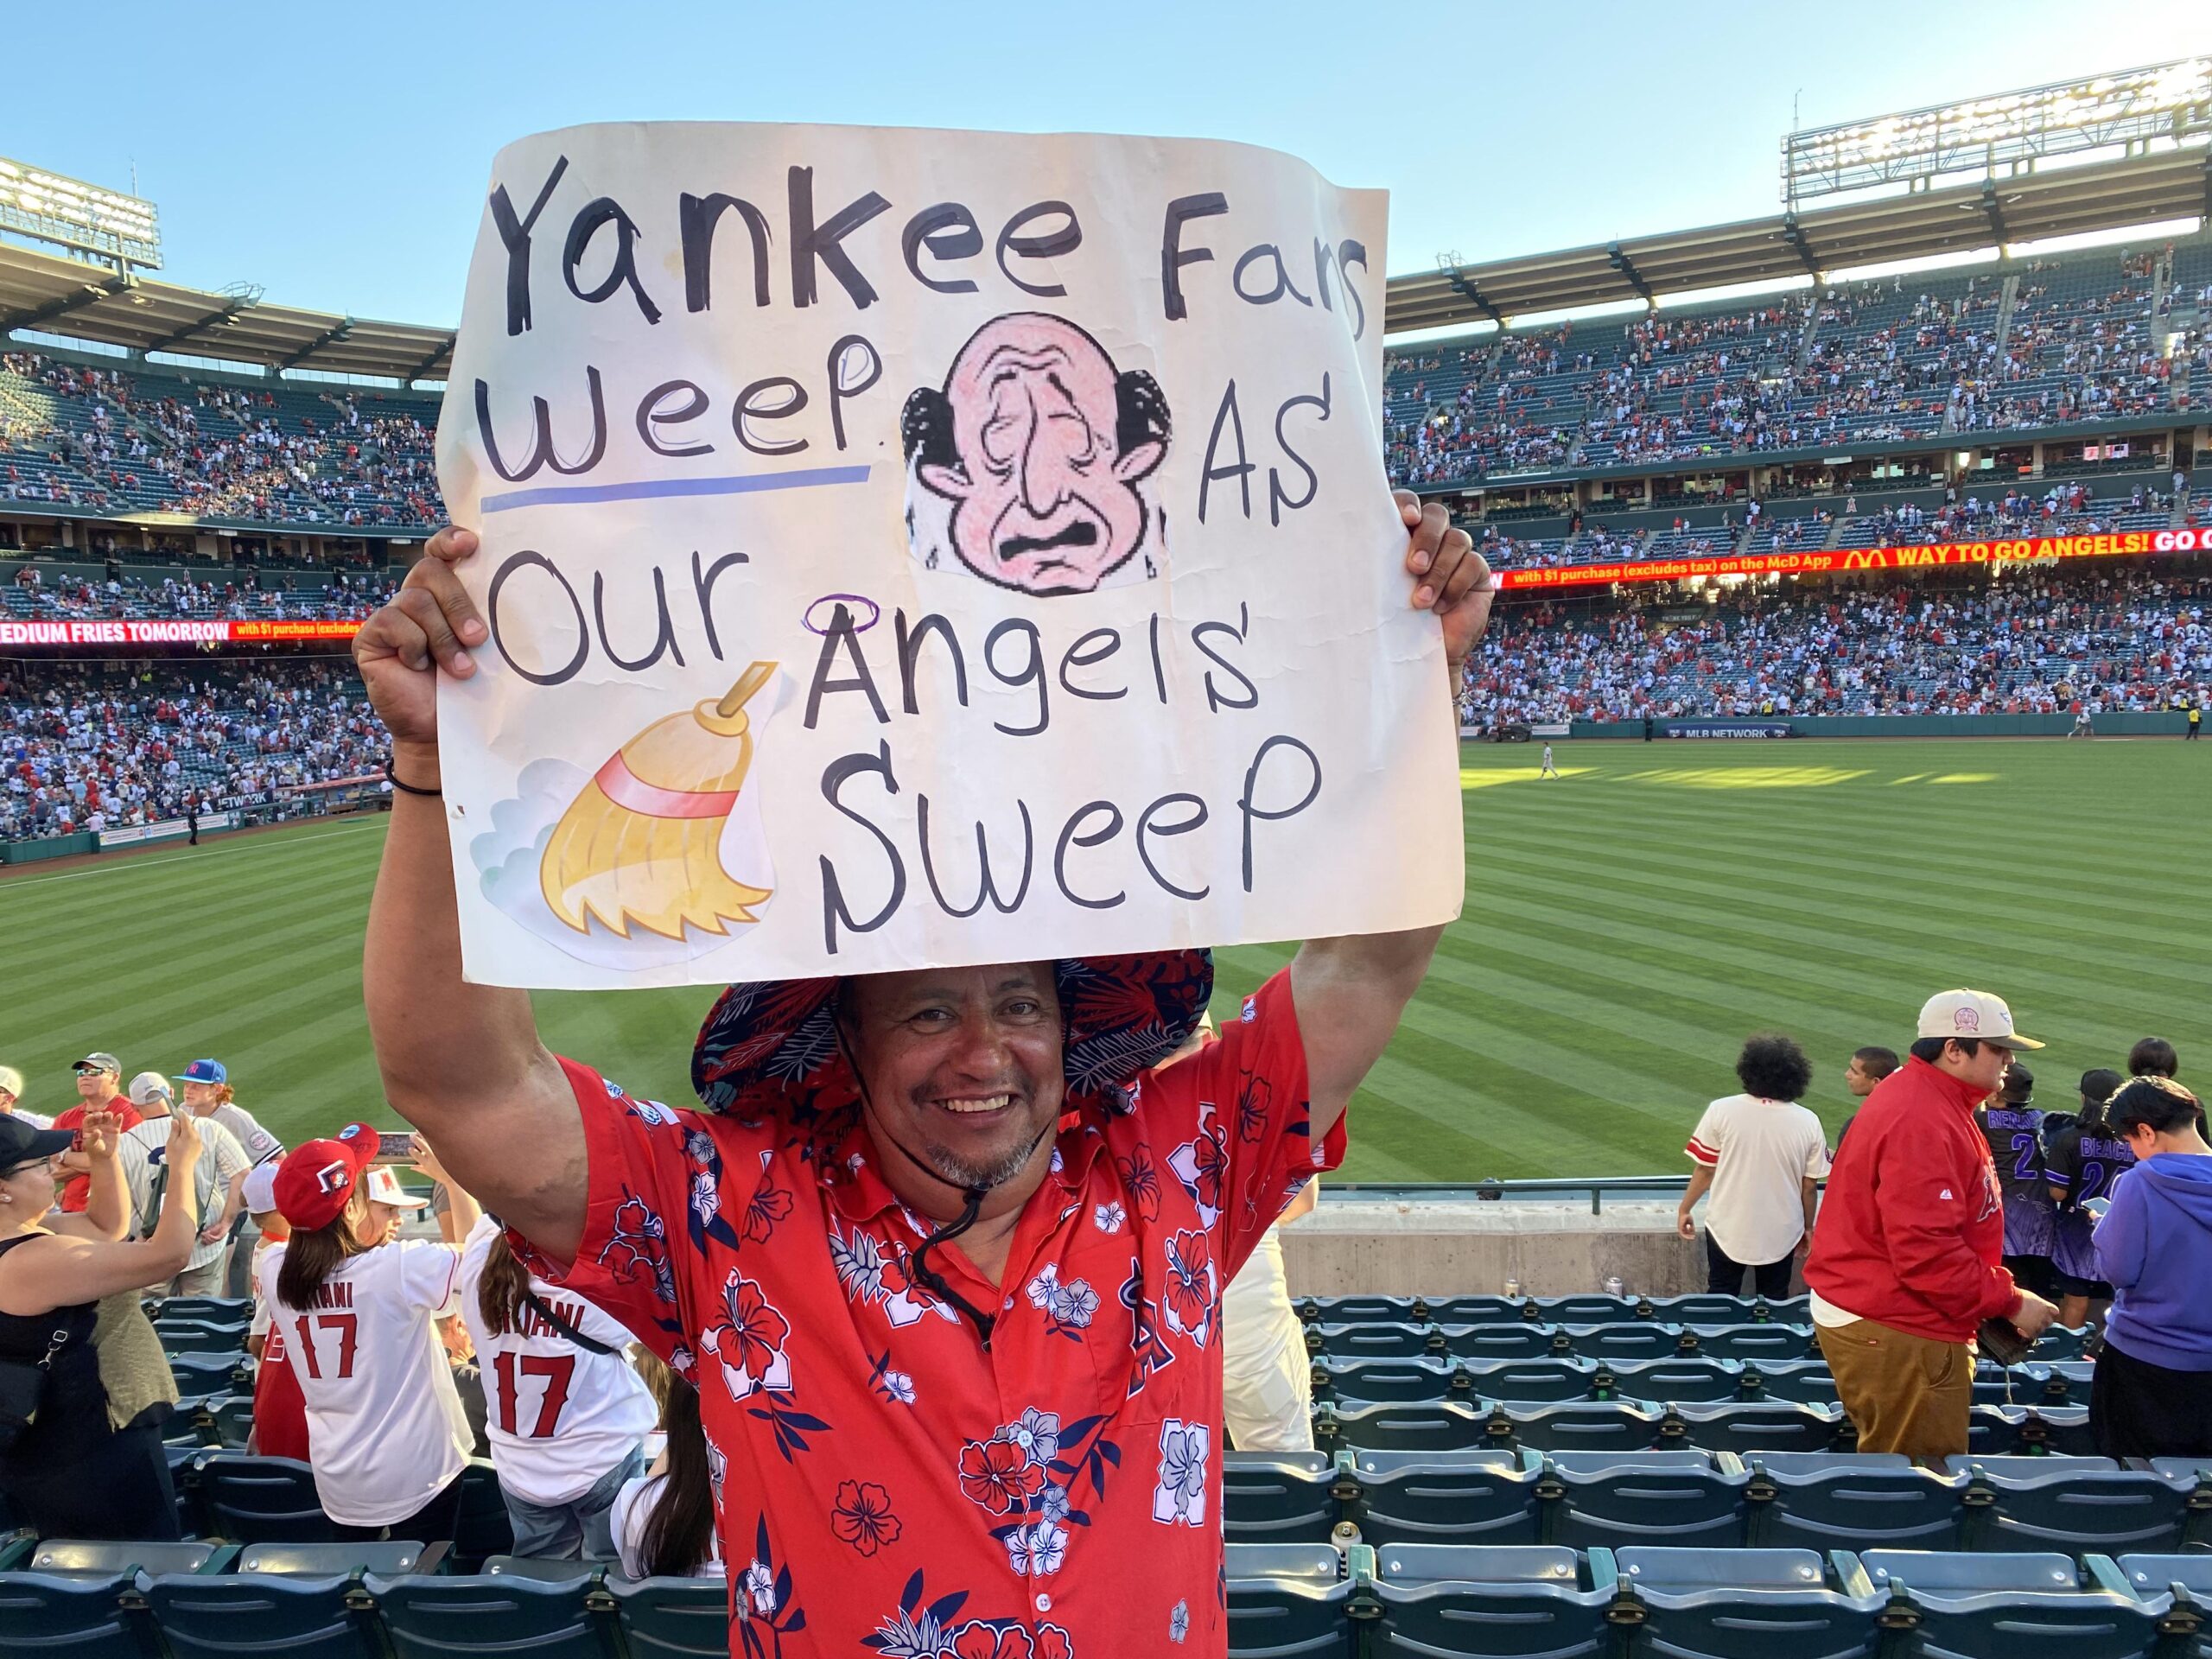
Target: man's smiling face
(1045,498)
(961,1067)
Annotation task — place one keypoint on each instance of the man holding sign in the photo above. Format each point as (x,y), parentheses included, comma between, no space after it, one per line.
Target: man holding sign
(943,1260)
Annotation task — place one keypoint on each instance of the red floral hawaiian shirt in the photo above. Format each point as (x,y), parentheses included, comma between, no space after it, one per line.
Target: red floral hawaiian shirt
(887,1484)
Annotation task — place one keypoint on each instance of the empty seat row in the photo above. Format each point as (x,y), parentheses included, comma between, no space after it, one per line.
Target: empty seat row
(1550,1310)
(1628,1425)
(1661,1603)
(350,1601)
(1713,1499)
(1678,1380)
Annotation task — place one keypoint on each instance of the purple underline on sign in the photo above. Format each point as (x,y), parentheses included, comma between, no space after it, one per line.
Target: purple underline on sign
(803,478)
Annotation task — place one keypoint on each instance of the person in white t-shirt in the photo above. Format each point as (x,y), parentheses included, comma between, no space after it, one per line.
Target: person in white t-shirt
(567,1413)
(1762,1156)
(1267,1382)
(664,1521)
(11,1094)
(387,1434)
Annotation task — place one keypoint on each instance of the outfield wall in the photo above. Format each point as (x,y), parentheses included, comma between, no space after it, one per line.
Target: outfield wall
(1353,1245)
(2164,723)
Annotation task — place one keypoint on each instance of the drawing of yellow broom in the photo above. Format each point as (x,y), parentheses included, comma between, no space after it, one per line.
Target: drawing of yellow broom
(640,843)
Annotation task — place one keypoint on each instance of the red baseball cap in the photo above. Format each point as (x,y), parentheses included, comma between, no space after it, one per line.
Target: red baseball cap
(316,1178)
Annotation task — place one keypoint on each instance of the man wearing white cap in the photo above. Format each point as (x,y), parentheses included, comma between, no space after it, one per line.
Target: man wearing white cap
(139,1154)
(11,1092)
(1906,1260)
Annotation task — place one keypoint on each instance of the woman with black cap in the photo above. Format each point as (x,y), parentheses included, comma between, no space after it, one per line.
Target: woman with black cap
(65,1469)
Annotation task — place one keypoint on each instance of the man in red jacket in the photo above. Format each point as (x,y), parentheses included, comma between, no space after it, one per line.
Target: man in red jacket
(1905,1261)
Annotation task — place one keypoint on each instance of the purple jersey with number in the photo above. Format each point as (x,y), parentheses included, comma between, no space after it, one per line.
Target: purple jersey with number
(2081,1161)
(2015,1137)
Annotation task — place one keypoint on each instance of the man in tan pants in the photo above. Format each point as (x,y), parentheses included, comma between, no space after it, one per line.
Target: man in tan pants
(1906,1259)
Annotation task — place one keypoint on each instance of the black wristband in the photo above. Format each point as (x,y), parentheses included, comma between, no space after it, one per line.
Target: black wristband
(393,777)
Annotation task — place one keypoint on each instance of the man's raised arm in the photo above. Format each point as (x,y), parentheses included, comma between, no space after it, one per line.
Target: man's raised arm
(461,1063)
(1349,992)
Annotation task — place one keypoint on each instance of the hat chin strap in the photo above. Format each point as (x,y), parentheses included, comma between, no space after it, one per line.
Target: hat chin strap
(971,1205)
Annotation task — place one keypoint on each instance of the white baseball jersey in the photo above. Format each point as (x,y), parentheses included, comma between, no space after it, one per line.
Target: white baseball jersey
(140,1152)
(383,1418)
(558,1416)
(260,1145)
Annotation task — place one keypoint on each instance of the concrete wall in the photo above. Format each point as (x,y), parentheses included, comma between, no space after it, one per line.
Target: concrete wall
(1469,1248)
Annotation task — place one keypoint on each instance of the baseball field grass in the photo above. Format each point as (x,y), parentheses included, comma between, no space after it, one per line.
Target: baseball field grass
(1628,924)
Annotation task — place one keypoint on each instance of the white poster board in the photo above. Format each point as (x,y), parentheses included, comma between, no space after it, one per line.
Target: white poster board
(910,548)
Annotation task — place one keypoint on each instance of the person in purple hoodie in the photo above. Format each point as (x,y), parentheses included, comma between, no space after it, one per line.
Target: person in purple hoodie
(2153,1393)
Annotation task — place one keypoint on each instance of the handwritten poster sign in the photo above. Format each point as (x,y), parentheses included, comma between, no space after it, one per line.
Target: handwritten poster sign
(915,548)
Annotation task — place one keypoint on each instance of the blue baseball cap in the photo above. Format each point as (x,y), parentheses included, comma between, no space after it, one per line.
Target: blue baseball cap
(204,1072)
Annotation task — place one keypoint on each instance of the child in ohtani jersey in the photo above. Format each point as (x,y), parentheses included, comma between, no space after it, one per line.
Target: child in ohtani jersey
(387,1437)
(280,1411)
(568,1413)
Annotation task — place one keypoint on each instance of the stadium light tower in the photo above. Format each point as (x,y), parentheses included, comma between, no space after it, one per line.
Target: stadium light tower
(2165,105)
(66,213)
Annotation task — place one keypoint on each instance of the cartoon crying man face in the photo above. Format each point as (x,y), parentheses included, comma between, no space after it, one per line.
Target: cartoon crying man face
(1040,446)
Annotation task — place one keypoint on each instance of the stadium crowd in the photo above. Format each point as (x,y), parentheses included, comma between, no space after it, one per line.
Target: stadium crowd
(82,753)
(2034,643)
(107,441)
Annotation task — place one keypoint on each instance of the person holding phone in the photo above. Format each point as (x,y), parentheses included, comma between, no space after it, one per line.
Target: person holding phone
(359,1306)
(65,1469)
(2151,1397)
(567,1413)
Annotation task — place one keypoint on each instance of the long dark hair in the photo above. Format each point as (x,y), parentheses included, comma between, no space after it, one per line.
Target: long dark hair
(312,1258)
(500,1290)
(679,1534)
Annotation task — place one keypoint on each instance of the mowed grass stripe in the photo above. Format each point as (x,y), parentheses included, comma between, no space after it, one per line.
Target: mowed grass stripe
(1623,933)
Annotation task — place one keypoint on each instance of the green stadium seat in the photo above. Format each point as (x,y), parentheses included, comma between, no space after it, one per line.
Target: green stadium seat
(1852,1501)
(1995,1430)
(2070,1380)
(63,1615)
(109,1559)
(1481,1310)
(1286,1601)
(1612,1499)
(1666,1380)
(1761,1343)
(1413,1380)
(1644,1339)
(1756,1426)
(189,1425)
(2058,1431)
(1499,1341)
(197,1337)
(1750,1604)
(16,1549)
(1616,1426)
(1484,1497)
(1271,1498)
(673,1618)
(231,1417)
(184,1480)
(1703,1309)
(427,1616)
(212,1310)
(1532,1380)
(482,1530)
(1806,1380)
(534,1566)
(1360,1310)
(1438,1426)
(260,1500)
(1967,1605)
(301,1614)
(390,1559)
(209,1374)
(1504,1601)
(1589,1310)
(2071,1503)
(2064,1342)
(1368,1341)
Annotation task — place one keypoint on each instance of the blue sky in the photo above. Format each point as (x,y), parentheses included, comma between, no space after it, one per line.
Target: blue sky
(334,154)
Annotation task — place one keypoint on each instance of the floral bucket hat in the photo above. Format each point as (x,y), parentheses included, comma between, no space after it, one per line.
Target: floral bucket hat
(770,1048)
